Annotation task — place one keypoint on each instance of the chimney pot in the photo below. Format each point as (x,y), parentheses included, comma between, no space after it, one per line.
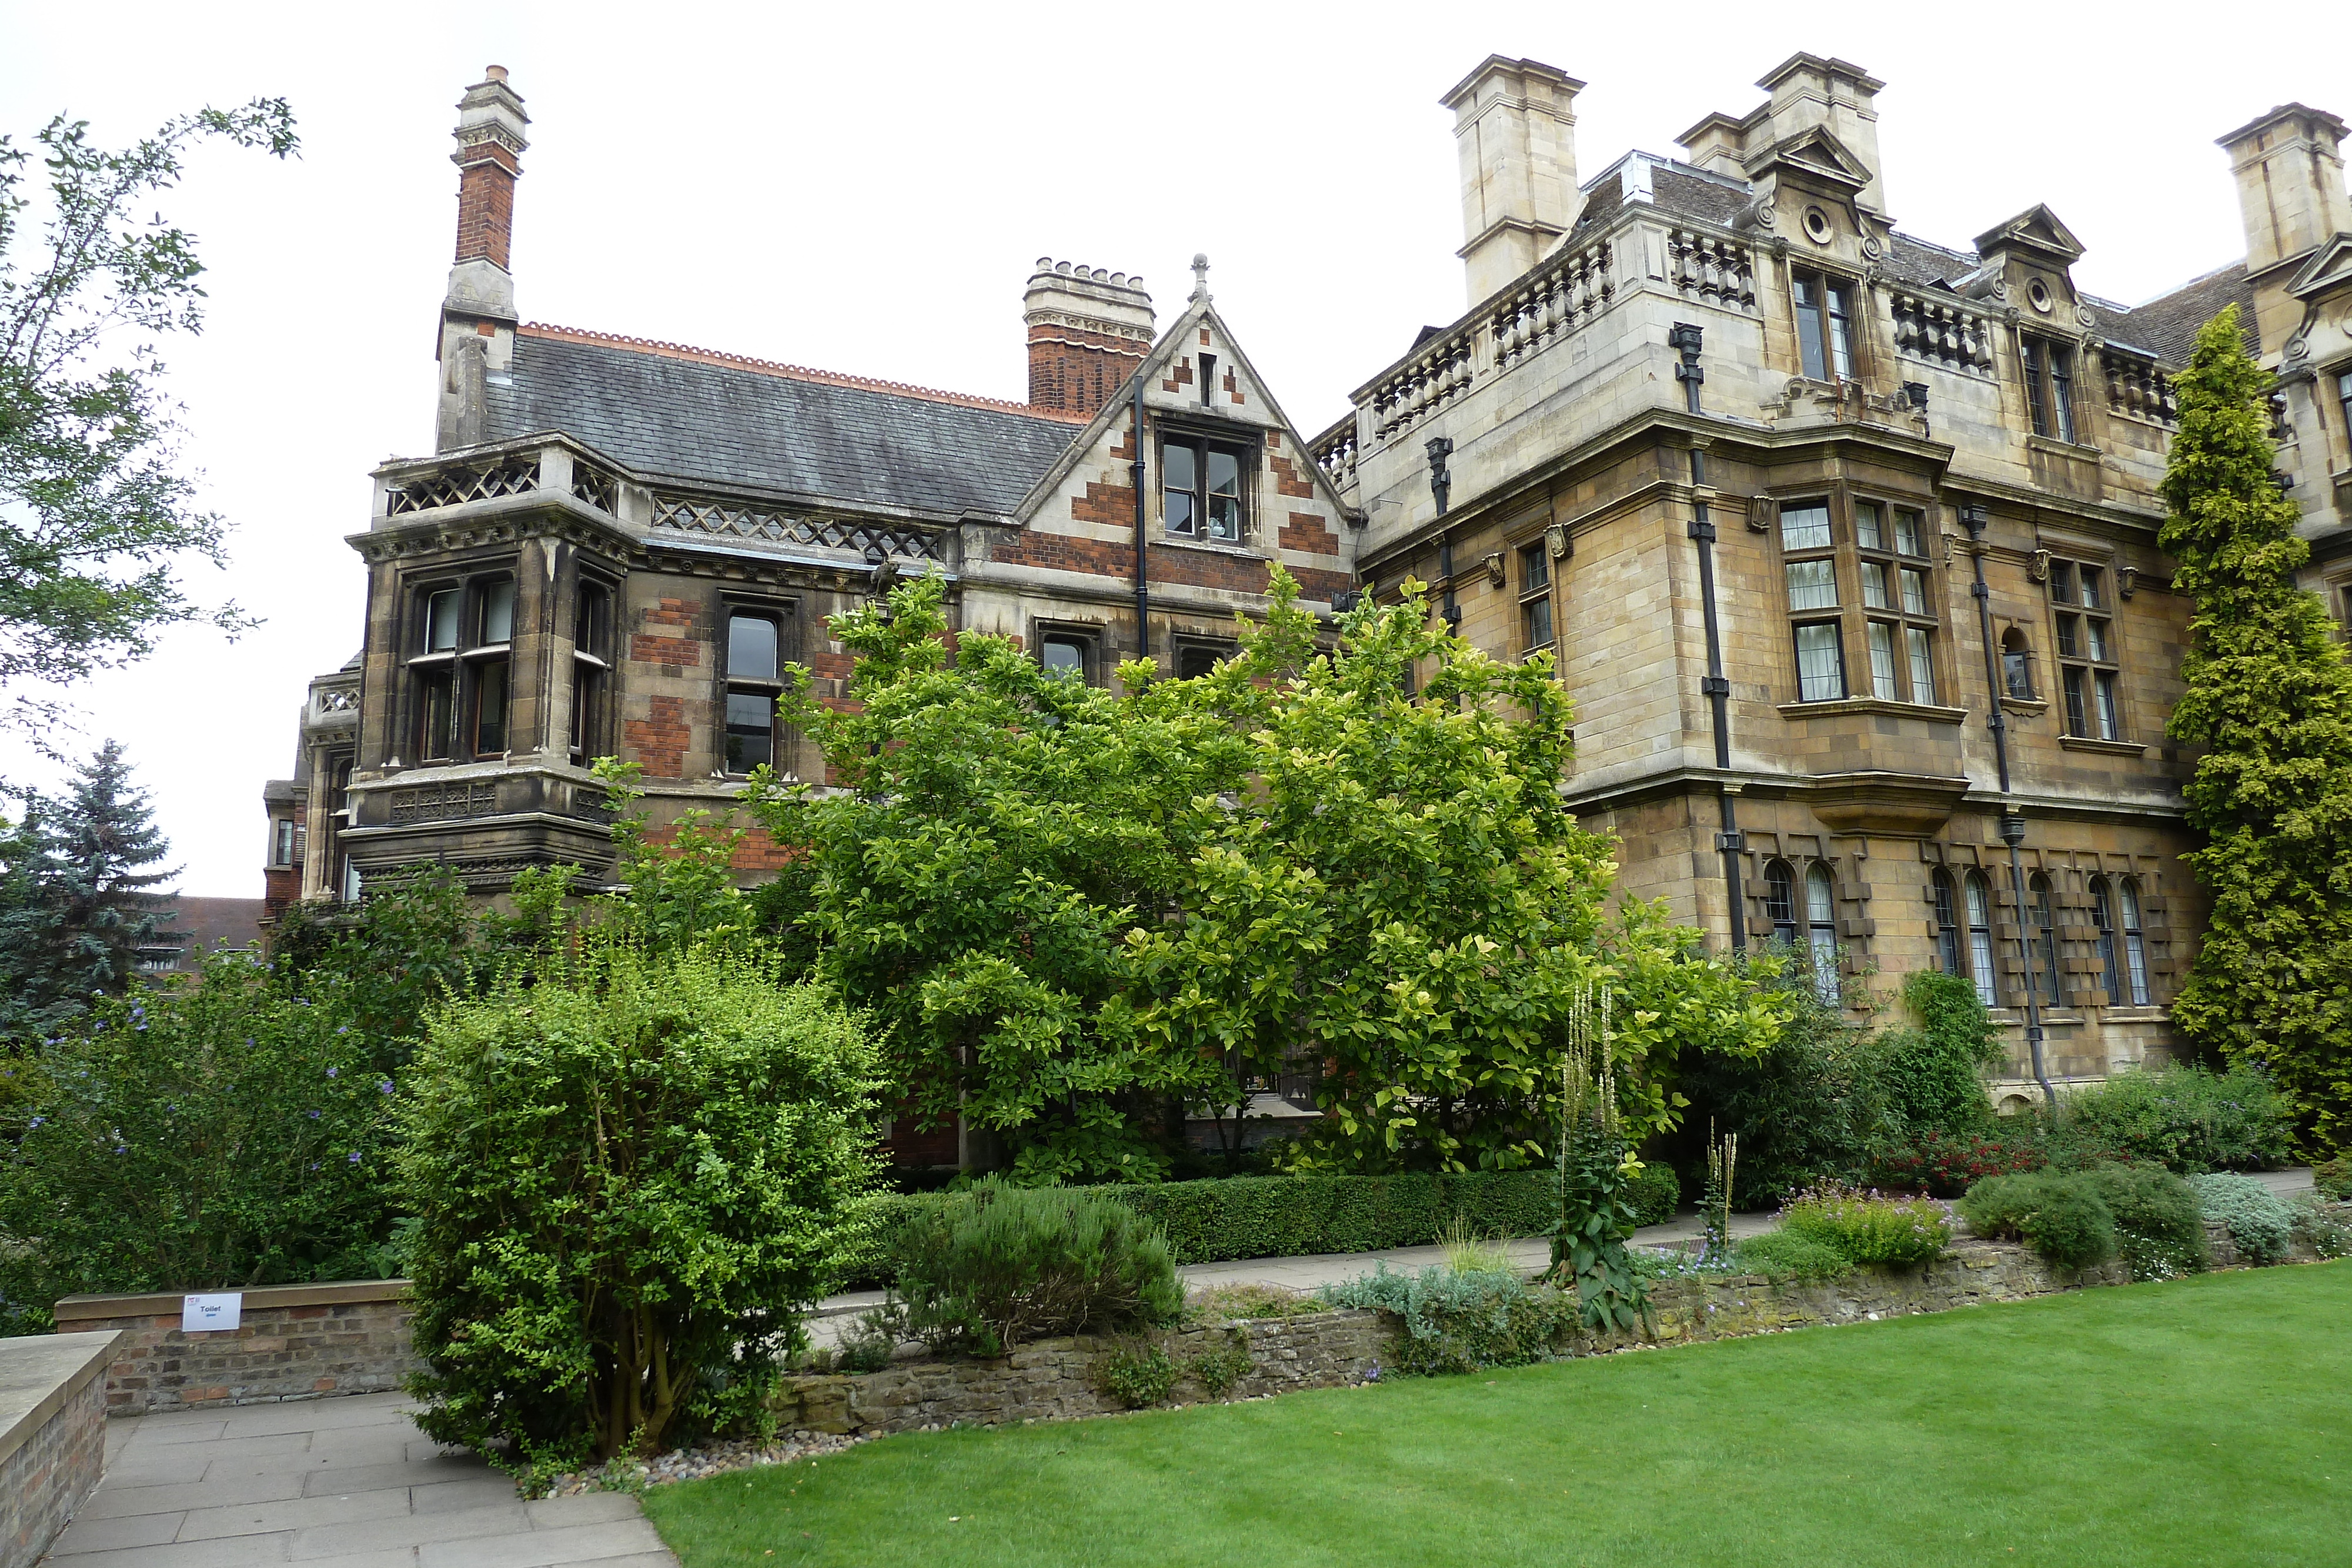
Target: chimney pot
(1088,329)
(494,73)
(1515,139)
(2290,169)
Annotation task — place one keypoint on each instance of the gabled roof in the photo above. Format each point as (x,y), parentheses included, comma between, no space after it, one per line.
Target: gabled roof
(2036,228)
(1818,152)
(2167,324)
(699,417)
(2330,268)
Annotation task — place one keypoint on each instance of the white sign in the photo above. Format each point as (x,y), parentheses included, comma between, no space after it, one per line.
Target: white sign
(211,1314)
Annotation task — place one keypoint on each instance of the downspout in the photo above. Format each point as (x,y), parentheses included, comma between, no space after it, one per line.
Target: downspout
(2012,822)
(1729,841)
(1142,581)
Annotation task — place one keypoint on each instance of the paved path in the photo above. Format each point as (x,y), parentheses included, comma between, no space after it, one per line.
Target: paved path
(336,1483)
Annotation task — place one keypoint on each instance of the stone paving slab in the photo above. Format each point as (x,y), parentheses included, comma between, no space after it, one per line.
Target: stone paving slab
(333,1483)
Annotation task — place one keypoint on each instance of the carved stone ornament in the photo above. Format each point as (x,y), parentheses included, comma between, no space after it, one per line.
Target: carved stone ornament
(1763,511)
(1556,542)
(2039,570)
(1872,248)
(2128,581)
(2086,315)
(1493,565)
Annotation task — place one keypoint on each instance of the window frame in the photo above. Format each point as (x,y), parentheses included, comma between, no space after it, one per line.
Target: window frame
(1872,577)
(2089,688)
(1087,639)
(1781,900)
(783,615)
(588,736)
(2042,933)
(1944,894)
(1185,645)
(1820,932)
(1977,896)
(2135,935)
(1201,444)
(1535,596)
(2102,922)
(2047,365)
(1825,326)
(460,692)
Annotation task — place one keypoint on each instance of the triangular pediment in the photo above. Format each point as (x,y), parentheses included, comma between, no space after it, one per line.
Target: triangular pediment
(1817,152)
(2036,229)
(2328,270)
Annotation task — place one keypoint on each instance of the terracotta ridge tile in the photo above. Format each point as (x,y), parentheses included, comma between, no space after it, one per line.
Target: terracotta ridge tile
(796,373)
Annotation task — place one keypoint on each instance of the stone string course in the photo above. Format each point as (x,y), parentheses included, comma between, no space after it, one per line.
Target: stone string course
(295,1341)
(1055,1379)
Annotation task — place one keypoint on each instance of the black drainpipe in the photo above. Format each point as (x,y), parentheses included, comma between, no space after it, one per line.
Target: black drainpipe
(1142,582)
(2012,822)
(1729,841)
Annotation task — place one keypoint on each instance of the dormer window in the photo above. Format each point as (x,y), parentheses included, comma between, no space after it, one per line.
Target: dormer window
(2049,386)
(1201,490)
(1824,325)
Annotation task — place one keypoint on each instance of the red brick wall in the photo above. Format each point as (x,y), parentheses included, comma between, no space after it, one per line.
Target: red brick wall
(1307,531)
(1076,371)
(660,739)
(486,192)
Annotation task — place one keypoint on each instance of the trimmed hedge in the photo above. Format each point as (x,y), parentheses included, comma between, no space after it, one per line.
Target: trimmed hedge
(1275,1216)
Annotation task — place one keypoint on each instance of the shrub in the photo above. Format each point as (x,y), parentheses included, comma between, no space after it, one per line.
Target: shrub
(872,1340)
(2187,1119)
(2158,1227)
(1945,1164)
(987,1269)
(627,1177)
(1284,1216)
(2322,1226)
(1219,1369)
(2257,1220)
(1462,1322)
(1137,1374)
(2334,1178)
(1786,1253)
(2060,1216)
(1934,1074)
(1864,1228)
(207,1133)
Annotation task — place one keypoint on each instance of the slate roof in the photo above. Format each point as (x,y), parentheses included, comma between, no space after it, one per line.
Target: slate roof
(2167,324)
(696,417)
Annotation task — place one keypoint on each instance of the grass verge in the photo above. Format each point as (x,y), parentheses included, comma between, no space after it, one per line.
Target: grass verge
(2201,1421)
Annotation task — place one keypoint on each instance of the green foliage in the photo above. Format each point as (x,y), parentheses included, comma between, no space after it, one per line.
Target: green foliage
(2258,1221)
(1587,1239)
(2269,697)
(2160,1228)
(216,1132)
(1933,1075)
(2334,1178)
(1279,1216)
(1947,1164)
(2323,1226)
(2187,1119)
(74,903)
(1786,1254)
(95,507)
(628,1173)
(1219,1367)
(1137,1373)
(989,1268)
(1863,1228)
(1463,1322)
(1072,911)
(869,1343)
(2060,1216)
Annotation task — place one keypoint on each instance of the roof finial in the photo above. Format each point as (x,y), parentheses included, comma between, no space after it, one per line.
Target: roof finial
(1201,275)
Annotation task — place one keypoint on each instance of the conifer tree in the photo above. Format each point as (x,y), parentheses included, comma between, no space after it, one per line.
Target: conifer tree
(2269,696)
(75,906)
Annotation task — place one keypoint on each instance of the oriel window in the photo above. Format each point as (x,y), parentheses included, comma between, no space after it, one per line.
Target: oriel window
(2090,671)
(1201,490)
(1825,326)
(755,679)
(1534,597)
(1809,564)
(460,674)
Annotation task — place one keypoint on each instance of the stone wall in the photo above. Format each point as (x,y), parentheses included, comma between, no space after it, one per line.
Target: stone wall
(295,1341)
(52,1437)
(1055,1379)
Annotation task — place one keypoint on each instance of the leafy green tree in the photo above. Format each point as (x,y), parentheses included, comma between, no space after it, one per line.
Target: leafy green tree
(2269,697)
(75,907)
(94,506)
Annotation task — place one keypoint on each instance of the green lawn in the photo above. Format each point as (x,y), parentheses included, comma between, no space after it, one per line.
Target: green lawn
(2206,1422)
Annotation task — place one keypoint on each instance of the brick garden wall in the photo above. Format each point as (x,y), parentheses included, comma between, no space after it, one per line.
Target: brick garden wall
(295,1341)
(52,1442)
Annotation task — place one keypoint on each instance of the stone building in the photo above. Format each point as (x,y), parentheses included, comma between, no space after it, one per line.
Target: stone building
(1844,540)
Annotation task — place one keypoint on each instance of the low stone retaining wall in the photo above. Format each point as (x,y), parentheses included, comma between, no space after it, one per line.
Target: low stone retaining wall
(294,1342)
(1056,1379)
(52,1437)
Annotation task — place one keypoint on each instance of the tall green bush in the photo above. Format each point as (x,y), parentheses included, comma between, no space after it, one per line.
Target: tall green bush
(2267,694)
(1933,1074)
(220,1129)
(627,1178)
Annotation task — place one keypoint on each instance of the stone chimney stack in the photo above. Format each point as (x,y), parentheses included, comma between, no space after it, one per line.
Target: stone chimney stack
(1837,95)
(1088,331)
(1515,138)
(2290,172)
(478,315)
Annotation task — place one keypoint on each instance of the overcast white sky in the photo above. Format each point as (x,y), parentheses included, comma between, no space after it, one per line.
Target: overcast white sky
(863,188)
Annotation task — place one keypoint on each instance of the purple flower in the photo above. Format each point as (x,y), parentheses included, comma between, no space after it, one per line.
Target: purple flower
(355,1156)
(342,1029)
(312,1114)
(331,1072)
(37,1121)
(385,1086)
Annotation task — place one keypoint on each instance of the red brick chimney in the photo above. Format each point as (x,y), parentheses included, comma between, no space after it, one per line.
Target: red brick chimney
(1088,331)
(477,315)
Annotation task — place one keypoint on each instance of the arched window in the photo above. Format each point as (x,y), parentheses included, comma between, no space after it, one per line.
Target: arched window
(1947,923)
(1981,939)
(2045,940)
(1781,900)
(1821,931)
(2102,915)
(2134,948)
